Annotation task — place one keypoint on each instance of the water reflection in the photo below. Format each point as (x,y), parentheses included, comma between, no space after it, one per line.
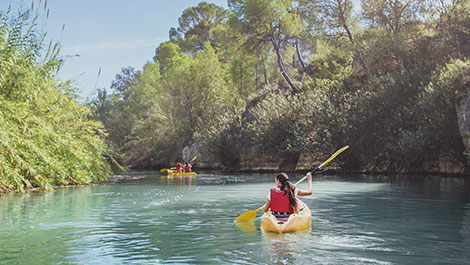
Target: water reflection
(179,180)
(246,227)
(285,248)
(465,231)
(34,226)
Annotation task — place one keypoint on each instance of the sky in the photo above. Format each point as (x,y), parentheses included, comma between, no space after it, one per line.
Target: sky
(106,34)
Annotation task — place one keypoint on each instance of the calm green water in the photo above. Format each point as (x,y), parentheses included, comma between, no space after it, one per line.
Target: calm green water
(184,220)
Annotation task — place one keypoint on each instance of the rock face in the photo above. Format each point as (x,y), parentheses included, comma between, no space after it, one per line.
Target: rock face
(205,159)
(451,166)
(253,160)
(462,107)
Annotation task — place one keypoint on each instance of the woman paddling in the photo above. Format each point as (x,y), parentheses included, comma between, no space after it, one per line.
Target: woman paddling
(282,200)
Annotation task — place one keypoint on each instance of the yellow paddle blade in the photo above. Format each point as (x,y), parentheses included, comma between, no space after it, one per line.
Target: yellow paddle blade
(247,216)
(192,160)
(163,170)
(334,155)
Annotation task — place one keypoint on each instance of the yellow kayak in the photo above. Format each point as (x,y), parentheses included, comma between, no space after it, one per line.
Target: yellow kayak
(295,222)
(174,173)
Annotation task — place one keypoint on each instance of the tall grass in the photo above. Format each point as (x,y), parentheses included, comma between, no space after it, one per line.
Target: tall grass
(46,137)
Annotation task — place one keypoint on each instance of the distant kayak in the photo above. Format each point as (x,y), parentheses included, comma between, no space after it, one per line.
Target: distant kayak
(295,222)
(174,173)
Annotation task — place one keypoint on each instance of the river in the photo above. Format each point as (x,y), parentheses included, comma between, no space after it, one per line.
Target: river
(152,219)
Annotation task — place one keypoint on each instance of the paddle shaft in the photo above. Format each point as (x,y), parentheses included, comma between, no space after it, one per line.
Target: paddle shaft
(326,162)
(311,172)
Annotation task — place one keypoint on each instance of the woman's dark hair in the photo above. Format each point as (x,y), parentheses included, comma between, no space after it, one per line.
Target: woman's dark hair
(288,189)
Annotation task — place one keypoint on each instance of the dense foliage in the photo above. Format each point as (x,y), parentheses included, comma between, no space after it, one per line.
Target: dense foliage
(47,138)
(290,76)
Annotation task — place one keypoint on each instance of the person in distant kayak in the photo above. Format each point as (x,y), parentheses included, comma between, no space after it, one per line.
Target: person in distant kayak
(187,167)
(282,201)
(179,168)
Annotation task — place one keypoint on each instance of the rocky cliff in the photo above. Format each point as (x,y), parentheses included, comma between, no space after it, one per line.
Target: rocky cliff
(462,107)
(251,160)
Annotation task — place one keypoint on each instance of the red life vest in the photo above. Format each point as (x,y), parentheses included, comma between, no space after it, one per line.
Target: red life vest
(187,168)
(178,169)
(279,201)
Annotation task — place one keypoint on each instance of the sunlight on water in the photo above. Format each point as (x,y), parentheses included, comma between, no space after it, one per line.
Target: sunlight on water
(153,219)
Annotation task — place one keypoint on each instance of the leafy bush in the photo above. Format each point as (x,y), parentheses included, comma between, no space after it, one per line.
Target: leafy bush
(224,136)
(286,123)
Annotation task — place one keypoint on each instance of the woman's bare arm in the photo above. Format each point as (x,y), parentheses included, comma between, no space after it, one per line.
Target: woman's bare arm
(268,203)
(309,191)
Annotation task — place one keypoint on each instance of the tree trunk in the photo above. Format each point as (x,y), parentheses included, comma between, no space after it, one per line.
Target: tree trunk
(264,72)
(454,36)
(282,68)
(356,49)
(299,56)
(241,78)
(190,112)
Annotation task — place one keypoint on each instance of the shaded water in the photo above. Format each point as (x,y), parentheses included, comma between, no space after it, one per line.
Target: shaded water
(189,220)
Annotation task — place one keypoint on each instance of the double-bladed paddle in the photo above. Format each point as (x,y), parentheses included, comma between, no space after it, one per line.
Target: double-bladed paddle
(249,216)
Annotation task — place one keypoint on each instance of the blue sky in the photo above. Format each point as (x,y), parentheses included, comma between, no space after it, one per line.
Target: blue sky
(107,34)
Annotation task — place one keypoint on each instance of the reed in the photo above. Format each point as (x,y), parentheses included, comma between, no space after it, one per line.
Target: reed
(47,137)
